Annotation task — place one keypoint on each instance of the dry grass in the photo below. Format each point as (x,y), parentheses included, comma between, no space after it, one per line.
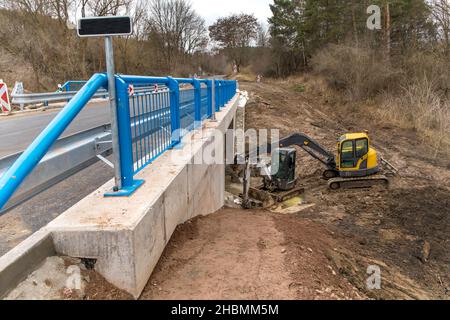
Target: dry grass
(414,94)
(419,107)
(359,72)
(416,106)
(245,75)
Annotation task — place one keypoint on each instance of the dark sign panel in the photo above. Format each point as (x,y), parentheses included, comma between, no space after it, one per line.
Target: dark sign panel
(104,26)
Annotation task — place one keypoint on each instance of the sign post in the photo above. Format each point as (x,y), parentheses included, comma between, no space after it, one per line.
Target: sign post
(108,27)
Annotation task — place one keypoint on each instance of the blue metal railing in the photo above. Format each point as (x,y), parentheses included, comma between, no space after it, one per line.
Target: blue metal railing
(159,120)
(149,123)
(70,86)
(187,109)
(151,126)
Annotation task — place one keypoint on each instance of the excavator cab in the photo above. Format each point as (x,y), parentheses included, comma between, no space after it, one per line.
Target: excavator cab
(283,173)
(355,156)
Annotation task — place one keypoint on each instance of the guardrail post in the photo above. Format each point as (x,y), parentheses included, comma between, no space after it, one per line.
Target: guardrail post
(227,91)
(222,93)
(217,95)
(198,103)
(174,88)
(209,112)
(128,185)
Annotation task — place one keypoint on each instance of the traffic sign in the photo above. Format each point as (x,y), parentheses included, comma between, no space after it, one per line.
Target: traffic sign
(4,98)
(104,26)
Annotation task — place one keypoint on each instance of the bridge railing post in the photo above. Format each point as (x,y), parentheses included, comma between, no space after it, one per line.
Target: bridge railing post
(198,103)
(209,85)
(175,120)
(222,93)
(126,166)
(218,91)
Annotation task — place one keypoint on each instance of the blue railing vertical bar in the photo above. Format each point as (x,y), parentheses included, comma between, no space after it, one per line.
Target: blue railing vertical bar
(197,102)
(204,102)
(217,95)
(174,88)
(209,85)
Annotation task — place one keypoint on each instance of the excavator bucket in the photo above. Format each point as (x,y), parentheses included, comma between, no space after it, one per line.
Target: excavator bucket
(259,198)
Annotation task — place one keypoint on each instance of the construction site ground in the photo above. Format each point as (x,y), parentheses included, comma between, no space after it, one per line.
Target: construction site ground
(323,248)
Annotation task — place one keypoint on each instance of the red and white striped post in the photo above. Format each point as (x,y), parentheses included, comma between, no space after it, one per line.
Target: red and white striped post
(5,105)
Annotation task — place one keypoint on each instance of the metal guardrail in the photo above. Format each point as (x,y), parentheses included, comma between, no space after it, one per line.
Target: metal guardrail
(146,129)
(33,98)
(68,156)
(48,97)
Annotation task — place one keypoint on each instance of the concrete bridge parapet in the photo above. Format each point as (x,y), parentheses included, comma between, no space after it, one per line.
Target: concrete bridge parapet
(128,235)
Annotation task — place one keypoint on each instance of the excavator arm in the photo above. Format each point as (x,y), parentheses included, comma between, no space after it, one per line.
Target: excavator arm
(312,147)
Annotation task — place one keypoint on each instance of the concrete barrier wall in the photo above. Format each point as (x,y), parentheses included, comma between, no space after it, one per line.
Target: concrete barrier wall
(128,235)
(17,264)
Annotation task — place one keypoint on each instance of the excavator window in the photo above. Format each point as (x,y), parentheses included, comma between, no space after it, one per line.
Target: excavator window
(348,155)
(362,148)
(286,170)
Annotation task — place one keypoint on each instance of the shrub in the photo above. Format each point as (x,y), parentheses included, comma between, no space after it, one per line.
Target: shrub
(358,71)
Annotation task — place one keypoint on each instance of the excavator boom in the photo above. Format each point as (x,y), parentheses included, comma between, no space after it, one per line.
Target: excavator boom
(312,147)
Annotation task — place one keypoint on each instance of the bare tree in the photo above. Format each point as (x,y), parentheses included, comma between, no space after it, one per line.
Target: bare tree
(138,13)
(61,9)
(176,28)
(263,37)
(235,34)
(441,15)
(41,7)
(100,8)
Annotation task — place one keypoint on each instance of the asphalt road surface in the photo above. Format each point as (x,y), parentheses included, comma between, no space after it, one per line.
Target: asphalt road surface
(16,134)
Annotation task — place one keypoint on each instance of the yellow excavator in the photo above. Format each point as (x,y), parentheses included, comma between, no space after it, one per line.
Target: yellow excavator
(355,165)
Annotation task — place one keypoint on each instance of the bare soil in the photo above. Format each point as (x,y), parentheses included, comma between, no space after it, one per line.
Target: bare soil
(321,252)
(237,254)
(404,230)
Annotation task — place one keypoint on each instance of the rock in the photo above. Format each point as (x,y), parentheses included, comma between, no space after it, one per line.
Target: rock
(426,250)
(310,250)
(283,251)
(378,222)
(362,241)
(72,261)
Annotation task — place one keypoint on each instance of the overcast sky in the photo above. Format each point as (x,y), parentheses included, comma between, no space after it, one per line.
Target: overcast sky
(210,10)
